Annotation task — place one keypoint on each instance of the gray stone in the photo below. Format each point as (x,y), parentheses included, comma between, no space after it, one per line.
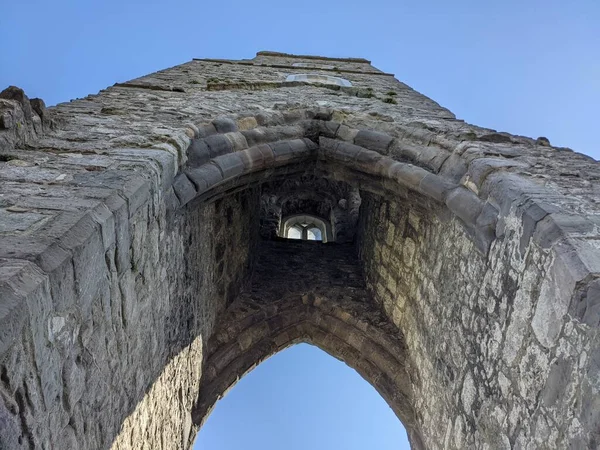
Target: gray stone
(198,152)
(224,125)
(218,145)
(144,267)
(184,189)
(230,165)
(205,176)
(373,140)
(464,204)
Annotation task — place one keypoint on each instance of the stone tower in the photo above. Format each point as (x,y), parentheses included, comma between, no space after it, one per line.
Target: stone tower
(144,267)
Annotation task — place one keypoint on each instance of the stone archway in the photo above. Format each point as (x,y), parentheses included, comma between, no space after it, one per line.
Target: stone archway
(133,269)
(328,307)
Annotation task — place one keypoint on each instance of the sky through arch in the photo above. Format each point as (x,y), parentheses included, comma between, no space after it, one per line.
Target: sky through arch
(302,398)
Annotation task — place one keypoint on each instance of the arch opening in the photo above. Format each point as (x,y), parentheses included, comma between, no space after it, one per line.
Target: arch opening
(412,210)
(328,307)
(315,400)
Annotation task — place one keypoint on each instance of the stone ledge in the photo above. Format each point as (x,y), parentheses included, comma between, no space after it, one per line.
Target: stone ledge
(286,66)
(323,58)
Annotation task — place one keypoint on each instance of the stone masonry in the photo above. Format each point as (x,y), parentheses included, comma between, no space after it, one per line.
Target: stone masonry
(142,271)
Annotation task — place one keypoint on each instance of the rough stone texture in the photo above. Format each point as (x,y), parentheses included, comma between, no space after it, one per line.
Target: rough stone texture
(135,286)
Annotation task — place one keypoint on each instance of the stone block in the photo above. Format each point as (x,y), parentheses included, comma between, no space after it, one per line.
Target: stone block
(105,218)
(480,168)
(166,162)
(231,165)
(555,226)
(373,140)
(205,176)
(553,301)
(198,152)
(407,175)
(453,168)
(532,211)
(435,187)
(225,125)
(238,141)
(247,123)
(19,280)
(337,150)
(252,158)
(184,189)
(259,135)
(505,190)
(465,204)
(218,145)
(345,133)
(585,305)
(367,160)
(268,155)
(294,116)
(205,130)
(327,128)
(282,151)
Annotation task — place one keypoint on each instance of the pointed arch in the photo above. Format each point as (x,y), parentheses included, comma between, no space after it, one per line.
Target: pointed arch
(290,143)
(362,339)
(329,307)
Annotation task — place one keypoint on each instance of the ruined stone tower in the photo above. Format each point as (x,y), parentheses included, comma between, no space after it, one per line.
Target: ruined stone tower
(144,267)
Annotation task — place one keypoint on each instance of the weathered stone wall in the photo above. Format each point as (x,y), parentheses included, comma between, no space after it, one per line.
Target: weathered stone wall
(128,221)
(122,328)
(485,374)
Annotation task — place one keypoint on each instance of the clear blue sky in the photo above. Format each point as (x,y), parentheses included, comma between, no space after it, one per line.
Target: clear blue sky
(530,67)
(302,399)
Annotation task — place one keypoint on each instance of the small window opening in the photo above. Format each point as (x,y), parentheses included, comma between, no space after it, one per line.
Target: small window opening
(305,227)
(294,232)
(313,234)
(304,231)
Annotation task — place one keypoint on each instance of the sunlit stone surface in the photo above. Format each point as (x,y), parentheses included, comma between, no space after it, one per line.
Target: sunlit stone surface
(142,269)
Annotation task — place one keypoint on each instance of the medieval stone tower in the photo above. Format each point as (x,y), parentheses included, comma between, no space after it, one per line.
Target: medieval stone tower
(144,267)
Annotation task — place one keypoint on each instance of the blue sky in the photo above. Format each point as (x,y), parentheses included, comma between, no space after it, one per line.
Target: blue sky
(302,399)
(530,67)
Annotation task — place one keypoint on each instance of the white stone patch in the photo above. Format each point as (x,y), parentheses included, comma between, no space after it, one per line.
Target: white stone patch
(314,66)
(468,392)
(459,434)
(55,327)
(519,320)
(317,78)
(504,384)
(553,304)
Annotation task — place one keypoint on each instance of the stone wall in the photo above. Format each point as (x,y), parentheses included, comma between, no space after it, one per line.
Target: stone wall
(484,373)
(129,222)
(129,338)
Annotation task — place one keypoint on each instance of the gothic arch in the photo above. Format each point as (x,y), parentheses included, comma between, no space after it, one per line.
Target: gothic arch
(219,163)
(346,331)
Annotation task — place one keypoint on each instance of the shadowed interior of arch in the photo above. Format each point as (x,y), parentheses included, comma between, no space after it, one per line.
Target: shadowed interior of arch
(302,398)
